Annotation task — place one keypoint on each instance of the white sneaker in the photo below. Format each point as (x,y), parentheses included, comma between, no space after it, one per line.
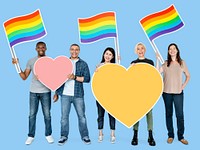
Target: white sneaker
(112,139)
(100,138)
(50,139)
(29,140)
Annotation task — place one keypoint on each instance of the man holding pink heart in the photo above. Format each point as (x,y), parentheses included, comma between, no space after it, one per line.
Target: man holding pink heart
(72,92)
(38,93)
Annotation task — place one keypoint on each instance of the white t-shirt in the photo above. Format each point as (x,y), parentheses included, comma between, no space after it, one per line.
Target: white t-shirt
(69,84)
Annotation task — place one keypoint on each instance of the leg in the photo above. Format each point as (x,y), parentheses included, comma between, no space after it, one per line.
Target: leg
(168,100)
(149,117)
(136,126)
(178,103)
(46,109)
(79,106)
(65,110)
(33,104)
(112,122)
(100,118)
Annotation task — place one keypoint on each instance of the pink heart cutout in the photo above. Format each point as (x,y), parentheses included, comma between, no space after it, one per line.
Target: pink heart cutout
(53,72)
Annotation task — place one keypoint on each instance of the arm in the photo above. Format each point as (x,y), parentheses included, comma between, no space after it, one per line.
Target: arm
(24,74)
(187,76)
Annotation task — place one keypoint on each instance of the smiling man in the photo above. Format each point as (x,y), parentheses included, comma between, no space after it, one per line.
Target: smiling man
(72,93)
(38,92)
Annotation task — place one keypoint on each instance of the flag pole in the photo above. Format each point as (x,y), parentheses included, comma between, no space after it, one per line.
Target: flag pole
(17,67)
(117,50)
(157,51)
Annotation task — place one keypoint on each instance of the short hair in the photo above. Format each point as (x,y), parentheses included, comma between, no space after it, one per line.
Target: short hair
(75,45)
(38,43)
(140,43)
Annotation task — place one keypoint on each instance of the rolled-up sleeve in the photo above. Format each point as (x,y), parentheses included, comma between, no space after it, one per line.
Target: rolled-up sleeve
(86,73)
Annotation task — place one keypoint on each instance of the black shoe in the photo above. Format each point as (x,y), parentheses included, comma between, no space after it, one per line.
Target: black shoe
(135,139)
(151,140)
(62,141)
(87,141)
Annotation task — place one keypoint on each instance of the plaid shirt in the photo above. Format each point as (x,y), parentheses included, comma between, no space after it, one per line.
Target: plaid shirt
(82,70)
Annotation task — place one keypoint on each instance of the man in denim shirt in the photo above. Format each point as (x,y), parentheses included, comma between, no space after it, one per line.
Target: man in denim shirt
(38,93)
(72,93)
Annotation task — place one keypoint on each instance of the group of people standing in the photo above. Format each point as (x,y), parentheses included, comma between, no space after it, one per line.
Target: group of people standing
(72,92)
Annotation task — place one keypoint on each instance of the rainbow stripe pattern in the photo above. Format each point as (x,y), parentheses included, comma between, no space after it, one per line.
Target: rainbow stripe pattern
(24,28)
(97,27)
(160,23)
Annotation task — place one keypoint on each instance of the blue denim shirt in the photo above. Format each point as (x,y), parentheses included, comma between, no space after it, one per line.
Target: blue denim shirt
(82,70)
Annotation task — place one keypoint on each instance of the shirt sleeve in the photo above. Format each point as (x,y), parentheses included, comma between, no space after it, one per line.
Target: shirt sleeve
(86,73)
(28,65)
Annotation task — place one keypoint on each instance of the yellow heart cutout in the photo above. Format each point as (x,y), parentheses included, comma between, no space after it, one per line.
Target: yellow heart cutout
(127,94)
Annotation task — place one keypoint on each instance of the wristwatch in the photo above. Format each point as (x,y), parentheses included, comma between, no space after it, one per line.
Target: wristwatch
(75,77)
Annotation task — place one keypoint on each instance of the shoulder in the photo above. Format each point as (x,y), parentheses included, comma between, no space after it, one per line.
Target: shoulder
(149,61)
(32,60)
(82,62)
(134,61)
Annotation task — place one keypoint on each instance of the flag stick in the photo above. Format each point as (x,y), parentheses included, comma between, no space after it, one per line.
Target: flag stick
(157,51)
(17,67)
(117,50)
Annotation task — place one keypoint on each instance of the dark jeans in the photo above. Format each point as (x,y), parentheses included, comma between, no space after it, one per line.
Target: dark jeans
(100,120)
(177,100)
(45,99)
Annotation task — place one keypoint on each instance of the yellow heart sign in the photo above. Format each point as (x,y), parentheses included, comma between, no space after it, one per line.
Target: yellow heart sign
(127,94)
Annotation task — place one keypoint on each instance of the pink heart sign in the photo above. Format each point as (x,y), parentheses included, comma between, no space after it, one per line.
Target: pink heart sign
(53,72)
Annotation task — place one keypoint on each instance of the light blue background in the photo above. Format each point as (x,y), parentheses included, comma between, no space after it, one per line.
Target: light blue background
(60,18)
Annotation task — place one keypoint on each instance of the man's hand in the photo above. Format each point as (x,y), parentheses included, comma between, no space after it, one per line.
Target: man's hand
(55,98)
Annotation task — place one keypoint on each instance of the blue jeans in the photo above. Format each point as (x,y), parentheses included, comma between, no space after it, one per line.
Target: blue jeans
(45,100)
(100,119)
(79,106)
(177,100)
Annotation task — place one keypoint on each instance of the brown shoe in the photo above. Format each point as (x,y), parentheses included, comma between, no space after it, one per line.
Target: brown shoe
(184,141)
(170,140)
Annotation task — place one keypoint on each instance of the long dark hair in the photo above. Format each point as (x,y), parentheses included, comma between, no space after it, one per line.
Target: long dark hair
(112,51)
(178,57)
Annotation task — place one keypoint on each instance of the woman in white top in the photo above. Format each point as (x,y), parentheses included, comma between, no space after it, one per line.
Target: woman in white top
(107,57)
(172,71)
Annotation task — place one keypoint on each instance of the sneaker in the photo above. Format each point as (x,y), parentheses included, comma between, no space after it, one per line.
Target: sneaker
(50,139)
(29,140)
(112,139)
(100,139)
(62,141)
(87,141)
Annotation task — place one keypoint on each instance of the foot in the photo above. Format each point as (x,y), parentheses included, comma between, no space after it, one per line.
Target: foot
(87,141)
(170,140)
(29,140)
(50,139)
(62,141)
(134,141)
(151,141)
(184,141)
(112,139)
(100,138)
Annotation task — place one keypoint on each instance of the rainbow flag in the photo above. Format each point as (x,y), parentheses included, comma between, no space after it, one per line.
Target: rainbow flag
(24,28)
(97,27)
(160,23)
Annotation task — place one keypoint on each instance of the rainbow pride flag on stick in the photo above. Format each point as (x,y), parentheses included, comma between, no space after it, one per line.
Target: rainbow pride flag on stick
(98,27)
(161,23)
(23,29)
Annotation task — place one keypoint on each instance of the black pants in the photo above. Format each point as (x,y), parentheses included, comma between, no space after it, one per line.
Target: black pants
(100,119)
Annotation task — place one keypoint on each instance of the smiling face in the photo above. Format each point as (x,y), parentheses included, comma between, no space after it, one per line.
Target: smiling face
(74,51)
(108,56)
(41,48)
(172,51)
(140,50)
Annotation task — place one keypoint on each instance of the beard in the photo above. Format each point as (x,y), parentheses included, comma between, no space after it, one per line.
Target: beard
(41,53)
